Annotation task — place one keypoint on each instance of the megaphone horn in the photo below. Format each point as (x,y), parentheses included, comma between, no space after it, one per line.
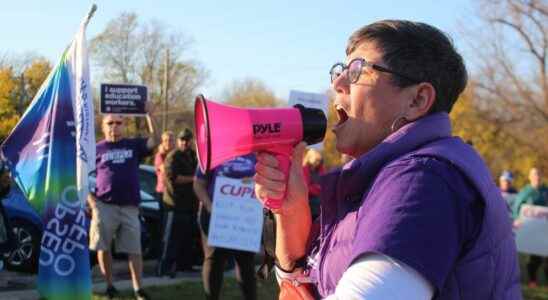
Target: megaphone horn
(224,132)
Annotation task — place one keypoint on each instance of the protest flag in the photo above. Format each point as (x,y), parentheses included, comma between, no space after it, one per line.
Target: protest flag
(50,153)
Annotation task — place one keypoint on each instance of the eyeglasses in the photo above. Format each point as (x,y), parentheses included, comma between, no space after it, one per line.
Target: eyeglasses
(110,123)
(355,69)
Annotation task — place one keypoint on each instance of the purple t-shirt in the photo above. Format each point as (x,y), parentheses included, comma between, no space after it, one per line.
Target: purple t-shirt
(118,171)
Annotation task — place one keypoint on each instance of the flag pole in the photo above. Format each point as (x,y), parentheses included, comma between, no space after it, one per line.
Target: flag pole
(91,12)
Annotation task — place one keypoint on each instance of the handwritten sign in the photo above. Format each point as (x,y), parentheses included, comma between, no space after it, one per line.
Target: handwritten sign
(531,235)
(236,217)
(123,99)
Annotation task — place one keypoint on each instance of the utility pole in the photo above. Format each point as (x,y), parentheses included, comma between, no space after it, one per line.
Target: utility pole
(166,91)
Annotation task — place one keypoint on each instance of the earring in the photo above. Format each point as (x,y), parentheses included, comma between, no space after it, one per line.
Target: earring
(396,124)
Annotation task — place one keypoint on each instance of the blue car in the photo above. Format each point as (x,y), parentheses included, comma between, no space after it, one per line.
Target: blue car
(27,231)
(27,225)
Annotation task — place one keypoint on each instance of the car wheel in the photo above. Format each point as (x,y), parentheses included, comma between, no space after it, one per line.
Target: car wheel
(27,247)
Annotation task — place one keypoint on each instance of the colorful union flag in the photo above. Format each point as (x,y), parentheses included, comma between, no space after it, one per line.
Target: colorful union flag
(50,153)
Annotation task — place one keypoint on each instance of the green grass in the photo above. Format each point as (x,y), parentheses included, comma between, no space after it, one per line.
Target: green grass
(535,294)
(540,293)
(267,290)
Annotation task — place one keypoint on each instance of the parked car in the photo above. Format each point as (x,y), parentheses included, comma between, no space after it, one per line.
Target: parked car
(27,225)
(27,231)
(6,236)
(150,211)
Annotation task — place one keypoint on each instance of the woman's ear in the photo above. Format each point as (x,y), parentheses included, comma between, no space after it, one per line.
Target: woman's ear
(425,96)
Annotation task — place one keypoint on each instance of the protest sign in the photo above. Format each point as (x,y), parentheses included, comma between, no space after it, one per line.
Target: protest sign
(123,99)
(531,235)
(236,217)
(312,100)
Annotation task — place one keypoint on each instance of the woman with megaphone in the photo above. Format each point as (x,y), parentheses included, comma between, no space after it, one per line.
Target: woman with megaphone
(416,214)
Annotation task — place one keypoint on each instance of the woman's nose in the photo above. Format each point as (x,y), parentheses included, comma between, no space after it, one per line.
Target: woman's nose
(341,85)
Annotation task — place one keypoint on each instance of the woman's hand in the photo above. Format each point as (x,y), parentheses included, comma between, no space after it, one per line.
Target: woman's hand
(293,220)
(270,181)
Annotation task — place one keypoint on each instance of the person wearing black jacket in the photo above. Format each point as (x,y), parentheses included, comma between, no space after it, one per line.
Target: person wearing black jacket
(180,206)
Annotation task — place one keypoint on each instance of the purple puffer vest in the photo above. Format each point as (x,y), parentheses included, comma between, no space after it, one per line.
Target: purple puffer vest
(488,270)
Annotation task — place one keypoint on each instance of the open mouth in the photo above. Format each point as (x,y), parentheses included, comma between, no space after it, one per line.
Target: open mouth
(341,113)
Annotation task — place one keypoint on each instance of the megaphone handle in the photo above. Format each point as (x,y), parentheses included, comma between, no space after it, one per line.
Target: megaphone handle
(282,155)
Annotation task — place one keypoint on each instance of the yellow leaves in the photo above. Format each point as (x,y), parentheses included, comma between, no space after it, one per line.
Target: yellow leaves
(7,125)
(35,74)
(17,90)
(7,108)
(498,147)
(7,83)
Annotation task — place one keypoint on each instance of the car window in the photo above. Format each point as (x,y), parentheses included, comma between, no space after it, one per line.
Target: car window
(147,181)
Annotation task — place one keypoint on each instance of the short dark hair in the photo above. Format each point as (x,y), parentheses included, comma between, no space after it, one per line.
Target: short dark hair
(420,51)
(185,134)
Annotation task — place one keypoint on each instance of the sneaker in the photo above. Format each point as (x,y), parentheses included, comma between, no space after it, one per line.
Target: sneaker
(532,284)
(140,294)
(111,292)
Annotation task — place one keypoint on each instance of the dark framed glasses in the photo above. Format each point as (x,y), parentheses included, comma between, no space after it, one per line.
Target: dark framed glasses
(110,123)
(355,69)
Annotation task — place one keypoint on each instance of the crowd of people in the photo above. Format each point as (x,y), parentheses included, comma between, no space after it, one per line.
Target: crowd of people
(412,214)
(186,196)
(186,204)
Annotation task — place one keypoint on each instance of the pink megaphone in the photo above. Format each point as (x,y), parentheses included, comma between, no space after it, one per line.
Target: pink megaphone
(224,132)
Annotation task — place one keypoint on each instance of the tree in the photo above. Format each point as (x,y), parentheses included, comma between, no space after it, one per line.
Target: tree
(250,93)
(116,49)
(33,77)
(8,114)
(500,150)
(19,83)
(3,60)
(511,83)
(127,51)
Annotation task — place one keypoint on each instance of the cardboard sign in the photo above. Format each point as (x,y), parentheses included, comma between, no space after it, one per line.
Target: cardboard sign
(312,100)
(532,234)
(123,99)
(236,217)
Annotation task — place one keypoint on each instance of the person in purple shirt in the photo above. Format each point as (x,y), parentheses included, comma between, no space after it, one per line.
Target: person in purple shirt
(115,202)
(416,213)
